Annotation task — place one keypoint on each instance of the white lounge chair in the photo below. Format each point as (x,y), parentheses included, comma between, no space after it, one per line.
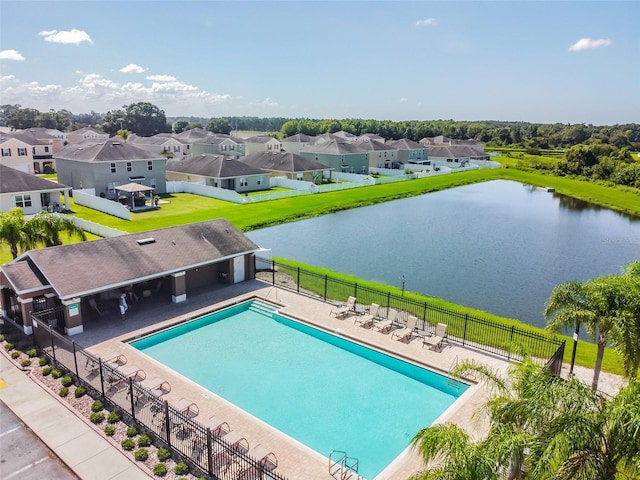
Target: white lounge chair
(344,310)
(366,320)
(267,462)
(386,324)
(436,341)
(404,334)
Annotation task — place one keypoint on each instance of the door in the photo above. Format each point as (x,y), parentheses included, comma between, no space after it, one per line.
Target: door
(238,269)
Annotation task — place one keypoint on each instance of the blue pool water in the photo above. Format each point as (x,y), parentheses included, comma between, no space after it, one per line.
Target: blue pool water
(324,391)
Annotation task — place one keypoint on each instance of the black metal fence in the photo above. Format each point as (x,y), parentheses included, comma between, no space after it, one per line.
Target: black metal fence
(186,437)
(510,342)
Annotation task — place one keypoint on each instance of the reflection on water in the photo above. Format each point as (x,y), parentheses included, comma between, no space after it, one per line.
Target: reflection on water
(577,205)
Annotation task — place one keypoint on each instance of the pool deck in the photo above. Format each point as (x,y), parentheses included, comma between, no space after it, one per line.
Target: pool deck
(108,334)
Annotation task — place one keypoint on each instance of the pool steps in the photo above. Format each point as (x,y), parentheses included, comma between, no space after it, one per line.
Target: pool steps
(262,307)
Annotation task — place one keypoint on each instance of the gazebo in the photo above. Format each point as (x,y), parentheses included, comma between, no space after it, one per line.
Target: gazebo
(131,191)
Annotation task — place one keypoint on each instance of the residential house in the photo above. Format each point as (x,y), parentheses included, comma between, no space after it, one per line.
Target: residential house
(289,165)
(201,141)
(371,136)
(294,143)
(341,156)
(261,143)
(381,155)
(162,144)
(30,193)
(86,133)
(218,171)
(410,151)
(162,266)
(104,165)
(24,151)
(53,135)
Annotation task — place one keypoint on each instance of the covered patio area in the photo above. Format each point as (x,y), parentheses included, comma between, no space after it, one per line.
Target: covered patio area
(135,196)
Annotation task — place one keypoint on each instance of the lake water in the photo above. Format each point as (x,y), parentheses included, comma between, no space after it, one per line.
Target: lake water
(498,246)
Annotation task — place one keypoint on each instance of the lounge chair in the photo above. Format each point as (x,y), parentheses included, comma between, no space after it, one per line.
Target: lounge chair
(386,324)
(366,320)
(153,388)
(436,341)
(217,426)
(267,462)
(404,334)
(344,310)
(231,445)
(188,409)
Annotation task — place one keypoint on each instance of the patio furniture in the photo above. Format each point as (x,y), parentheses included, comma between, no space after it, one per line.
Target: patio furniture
(366,320)
(231,445)
(404,334)
(188,410)
(385,325)
(267,462)
(436,341)
(345,309)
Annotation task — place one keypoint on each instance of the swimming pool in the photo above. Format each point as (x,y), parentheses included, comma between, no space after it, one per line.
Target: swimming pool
(324,391)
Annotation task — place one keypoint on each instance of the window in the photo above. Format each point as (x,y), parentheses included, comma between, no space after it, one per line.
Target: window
(129,167)
(150,165)
(176,148)
(33,150)
(317,157)
(22,152)
(224,148)
(243,182)
(299,176)
(39,303)
(152,182)
(6,152)
(166,149)
(23,201)
(232,147)
(188,147)
(363,169)
(113,168)
(260,180)
(46,149)
(111,187)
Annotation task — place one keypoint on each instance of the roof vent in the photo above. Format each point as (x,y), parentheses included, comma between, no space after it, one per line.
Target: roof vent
(146,241)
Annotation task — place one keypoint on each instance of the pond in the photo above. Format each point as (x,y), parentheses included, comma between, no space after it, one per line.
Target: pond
(498,246)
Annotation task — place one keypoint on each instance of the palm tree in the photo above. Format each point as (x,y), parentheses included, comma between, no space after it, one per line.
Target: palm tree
(608,307)
(45,228)
(12,231)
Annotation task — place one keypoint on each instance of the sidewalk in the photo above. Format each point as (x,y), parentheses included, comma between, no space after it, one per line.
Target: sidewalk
(81,448)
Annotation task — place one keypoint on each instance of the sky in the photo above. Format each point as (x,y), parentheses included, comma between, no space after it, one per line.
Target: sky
(519,60)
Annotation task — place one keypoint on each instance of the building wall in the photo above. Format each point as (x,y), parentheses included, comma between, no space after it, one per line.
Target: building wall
(20,155)
(10,200)
(405,156)
(356,162)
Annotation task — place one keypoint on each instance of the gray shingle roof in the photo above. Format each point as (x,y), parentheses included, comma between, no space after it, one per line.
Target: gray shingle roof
(283,162)
(334,147)
(104,151)
(24,136)
(214,166)
(406,144)
(15,181)
(80,269)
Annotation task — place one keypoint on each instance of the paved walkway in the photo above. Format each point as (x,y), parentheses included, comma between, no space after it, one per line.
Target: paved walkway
(80,447)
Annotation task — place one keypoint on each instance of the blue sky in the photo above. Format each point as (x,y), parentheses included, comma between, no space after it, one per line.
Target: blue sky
(533,61)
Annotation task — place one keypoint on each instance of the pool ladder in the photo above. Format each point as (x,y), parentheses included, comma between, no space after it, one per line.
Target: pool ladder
(344,467)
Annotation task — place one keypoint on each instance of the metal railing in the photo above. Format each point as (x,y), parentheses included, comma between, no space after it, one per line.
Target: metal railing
(187,438)
(508,341)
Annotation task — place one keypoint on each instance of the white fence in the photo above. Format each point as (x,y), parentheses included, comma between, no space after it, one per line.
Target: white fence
(292,184)
(485,163)
(346,177)
(95,228)
(87,199)
(205,191)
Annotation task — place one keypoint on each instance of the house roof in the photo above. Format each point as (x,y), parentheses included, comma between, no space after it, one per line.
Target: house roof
(261,139)
(283,162)
(110,150)
(159,139)
(334,147)
(133,188)
(84,268)
(214,166)
(15,181)
(299,138)
(25,137)
(405,144)
(372,136)
(373,145)
(194,134)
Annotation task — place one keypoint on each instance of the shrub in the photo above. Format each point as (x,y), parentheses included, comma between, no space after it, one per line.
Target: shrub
(32,353)
(63,392)
(164,454)
(109,430)
(128,444)
(66,381)
(25,363)
(181,468)
(43,361)
(15,354)
(144,440)
(97,406)
(141,454)
(1,338)
(46,371)
(132,431)
(96,417)
(159,469)
(113,417)
(8,346)
(80,391)
(56,373)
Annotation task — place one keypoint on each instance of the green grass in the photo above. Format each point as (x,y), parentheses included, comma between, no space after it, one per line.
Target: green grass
(586,353)
(267,191)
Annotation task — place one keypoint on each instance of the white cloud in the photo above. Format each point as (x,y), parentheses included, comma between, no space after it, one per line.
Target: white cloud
(11,55)
(427,22)
(73,36)
(589,44)
(161,78)
(403,100)
(267,102)
(133,68)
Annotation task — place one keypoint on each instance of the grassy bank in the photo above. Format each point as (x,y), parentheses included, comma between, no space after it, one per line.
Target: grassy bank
(586,353)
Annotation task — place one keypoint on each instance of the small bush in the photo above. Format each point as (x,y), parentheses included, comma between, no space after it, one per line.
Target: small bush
(66,381)
(46,371)
(56,373)
(181,468)
(128,444)
(144,440)
(63,392)
(80,391)
(43,361)
(141,454)
(15,354)
(96,417)
(32,353)
(97,406)
(1,338)
(159,469)
(132,431)
(25,363)
(8,346)
(109,430)
(164,454)
(113,417)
